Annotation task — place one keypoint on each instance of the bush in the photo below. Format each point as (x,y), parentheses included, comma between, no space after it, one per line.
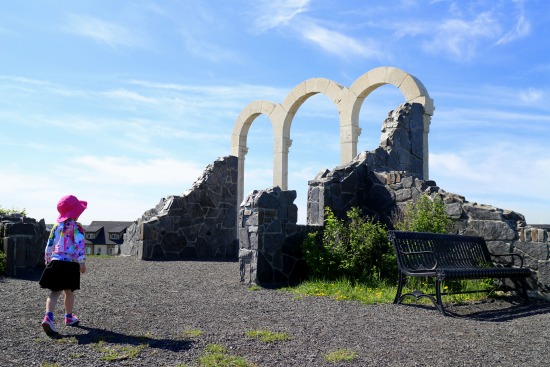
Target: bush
(2,263)
(7,212)
(356,249)
(424,215)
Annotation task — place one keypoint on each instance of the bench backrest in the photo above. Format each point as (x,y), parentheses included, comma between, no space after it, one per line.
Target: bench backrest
(451,251)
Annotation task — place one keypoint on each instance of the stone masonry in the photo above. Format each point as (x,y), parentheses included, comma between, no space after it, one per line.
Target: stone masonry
(270,240)
(23,243)
(200,224)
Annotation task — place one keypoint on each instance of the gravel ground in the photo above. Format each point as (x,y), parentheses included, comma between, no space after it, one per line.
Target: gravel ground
(125,303)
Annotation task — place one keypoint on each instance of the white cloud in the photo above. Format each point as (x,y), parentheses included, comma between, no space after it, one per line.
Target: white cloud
(108,33)
(531,95)
(275,13)
(339,44)
(460,38)
(499,174)
(520,30)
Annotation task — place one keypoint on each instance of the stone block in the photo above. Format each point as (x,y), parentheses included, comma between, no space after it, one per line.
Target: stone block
(499,247)
(536,250)
(19,229)
(482,212)
(453,210)
(543,276)
(403,195)
(491,230)
(395,76)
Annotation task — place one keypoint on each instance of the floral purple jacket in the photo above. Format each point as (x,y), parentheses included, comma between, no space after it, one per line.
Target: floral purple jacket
(66,243)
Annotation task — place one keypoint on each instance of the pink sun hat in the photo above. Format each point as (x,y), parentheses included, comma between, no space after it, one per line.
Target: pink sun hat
(70,207)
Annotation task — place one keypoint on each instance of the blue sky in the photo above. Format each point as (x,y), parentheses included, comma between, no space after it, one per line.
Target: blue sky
(123,103)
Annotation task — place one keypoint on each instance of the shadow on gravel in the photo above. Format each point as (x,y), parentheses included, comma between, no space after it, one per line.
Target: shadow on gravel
(515,311)
(95,335)
(32,275)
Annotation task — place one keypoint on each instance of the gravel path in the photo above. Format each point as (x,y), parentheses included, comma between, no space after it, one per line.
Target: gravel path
(126,303)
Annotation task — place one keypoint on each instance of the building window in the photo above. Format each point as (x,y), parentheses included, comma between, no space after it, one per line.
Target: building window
(114,236)
(88,250)
(111,251)
(90,236)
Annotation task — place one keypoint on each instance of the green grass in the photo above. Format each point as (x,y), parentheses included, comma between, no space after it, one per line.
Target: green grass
(118,353)
(192,333)
(345,290)
(340,355)
(100,256)
(216,355)
(267,336)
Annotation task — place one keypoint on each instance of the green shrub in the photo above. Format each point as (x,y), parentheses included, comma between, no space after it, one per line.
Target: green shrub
(2,263)
(424,215)
(6,212)
(355,249)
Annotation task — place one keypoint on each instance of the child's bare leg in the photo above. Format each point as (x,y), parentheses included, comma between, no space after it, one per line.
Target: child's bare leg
(69,301)
(51,302)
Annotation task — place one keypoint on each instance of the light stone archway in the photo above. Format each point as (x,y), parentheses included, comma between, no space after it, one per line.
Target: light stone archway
(412,89)
(348,101)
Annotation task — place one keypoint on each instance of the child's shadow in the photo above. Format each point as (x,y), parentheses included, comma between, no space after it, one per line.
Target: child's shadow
(95,335)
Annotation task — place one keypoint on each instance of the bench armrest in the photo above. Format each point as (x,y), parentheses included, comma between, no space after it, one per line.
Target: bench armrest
(422,253)
(513,256)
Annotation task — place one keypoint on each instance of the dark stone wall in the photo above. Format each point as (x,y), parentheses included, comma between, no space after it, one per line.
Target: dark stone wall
(269,239)
(23,243)
(200,224)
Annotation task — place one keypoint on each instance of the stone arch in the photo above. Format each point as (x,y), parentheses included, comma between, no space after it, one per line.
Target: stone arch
(240,134)
(412,89)
(348,101)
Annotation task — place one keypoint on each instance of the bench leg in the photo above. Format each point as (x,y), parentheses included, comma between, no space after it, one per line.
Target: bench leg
(524,287)
(399,288)
(438,303)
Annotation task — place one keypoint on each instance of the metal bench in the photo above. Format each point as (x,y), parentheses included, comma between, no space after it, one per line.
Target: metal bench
(449,257)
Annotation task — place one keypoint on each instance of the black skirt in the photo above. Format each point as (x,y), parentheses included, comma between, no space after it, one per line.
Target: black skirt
(61,275)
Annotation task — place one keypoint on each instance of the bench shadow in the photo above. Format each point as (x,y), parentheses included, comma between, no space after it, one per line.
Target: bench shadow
(516,310)
(96,335)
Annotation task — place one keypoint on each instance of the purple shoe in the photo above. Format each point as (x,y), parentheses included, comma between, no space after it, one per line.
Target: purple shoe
(71,320)
(49,326)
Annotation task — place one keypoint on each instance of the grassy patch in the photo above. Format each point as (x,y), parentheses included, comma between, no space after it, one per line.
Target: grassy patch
(216,355)
(77,355)
(267,336)
(118,353)
(254,287)
(345,290)
(67,340)
(340,355)
(48,364)
(100,256)
(193,333)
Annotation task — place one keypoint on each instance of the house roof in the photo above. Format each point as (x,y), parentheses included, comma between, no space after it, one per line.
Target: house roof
(102,230)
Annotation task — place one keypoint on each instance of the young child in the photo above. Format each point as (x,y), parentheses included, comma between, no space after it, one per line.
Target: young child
(65,260)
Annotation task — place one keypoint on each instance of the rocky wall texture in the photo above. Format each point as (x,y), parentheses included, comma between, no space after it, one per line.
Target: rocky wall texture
(23,243)
(200,224)
(401,143)
(269,239)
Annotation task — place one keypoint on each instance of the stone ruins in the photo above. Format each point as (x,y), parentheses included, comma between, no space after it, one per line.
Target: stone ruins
(214,221)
